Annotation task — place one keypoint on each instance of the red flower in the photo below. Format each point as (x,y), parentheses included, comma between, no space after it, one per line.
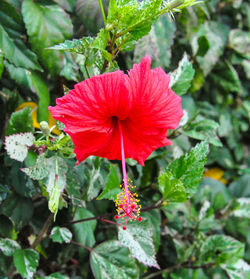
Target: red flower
(141,103)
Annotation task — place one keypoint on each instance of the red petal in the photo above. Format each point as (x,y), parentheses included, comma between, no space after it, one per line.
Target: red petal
(91,105)
(156,108)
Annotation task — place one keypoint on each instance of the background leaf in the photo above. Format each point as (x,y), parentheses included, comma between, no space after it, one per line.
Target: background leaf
(26,262)
(46,25)
(110,260)
(59,234)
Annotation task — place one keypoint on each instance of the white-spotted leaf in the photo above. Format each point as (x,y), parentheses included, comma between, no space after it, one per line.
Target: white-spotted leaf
(138,238)
(61,235)
(17,145)
(111,261)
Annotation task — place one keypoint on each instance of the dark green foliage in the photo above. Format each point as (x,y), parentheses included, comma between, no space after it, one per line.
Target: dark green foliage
(192,226)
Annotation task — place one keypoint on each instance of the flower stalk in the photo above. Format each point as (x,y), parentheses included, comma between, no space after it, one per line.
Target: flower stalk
(126,202)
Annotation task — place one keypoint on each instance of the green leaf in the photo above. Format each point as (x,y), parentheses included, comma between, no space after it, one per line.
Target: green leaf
(34,82)
(189,168)
(225,158)
(1,63)
(22,184)
(138,238)
(40,170)
(218,193)
(92,50)
(67,5)
(89,14)
(46,26)
(157,44)
(70,68)
(8,246)
(238,270)
(56,181)
(154,218)
(221,249)
(17,145)
(84,232)
(112,187)
(132,19)
(10,19)
(203,129)
(226,77)
(61,235)
(101,41)
(226,126)
(18,209)
(26,262)
(240,41)
(94,171)
(241,208)
(74,45)
(6,226)
(216,35)
(181,78)
(17,53)
(111,261)
(20,121)
(241,187)
(171,188)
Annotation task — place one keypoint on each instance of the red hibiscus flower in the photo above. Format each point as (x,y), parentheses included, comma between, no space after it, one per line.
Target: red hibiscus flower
(139,106)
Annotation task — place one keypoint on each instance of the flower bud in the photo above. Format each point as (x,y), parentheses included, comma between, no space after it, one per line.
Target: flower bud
(44,127)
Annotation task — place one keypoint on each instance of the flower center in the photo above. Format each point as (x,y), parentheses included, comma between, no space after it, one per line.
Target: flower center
(126,201)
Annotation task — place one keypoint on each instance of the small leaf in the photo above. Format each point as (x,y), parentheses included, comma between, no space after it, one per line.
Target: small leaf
(112,187)
(171,188)
(111,261)
(203,129)
(26,262)
(240,41)
(242,208)
(189,168)
(17,145)
(61,235)
(20,122)
(182,77)
(73,45)
(138,238)
(227,78)
(241,187)
(8,246)
(40,170)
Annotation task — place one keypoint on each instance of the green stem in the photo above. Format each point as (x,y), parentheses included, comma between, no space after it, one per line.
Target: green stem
(102,10)
(81,245)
